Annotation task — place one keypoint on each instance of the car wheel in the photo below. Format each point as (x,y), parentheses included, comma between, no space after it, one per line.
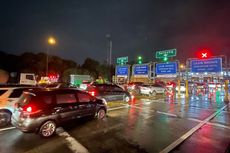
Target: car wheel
(153,93)
(101,113)
(4,118)
(47,129)
(127,99)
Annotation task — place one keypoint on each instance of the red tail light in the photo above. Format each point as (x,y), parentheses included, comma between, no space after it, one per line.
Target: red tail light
(28,109)
(93,93)
(31,110)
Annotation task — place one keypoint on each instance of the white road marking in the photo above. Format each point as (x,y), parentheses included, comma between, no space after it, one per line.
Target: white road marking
(159,112)
(209,123)
(154,100)
(72,143)
(190,132)
(168,114)
(115,108)
(195,107)
(5,129)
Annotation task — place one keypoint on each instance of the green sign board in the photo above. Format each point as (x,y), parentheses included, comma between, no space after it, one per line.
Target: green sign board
(122,60)
(166,53)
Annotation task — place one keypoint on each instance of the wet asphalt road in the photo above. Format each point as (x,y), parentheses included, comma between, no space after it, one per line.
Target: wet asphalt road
(145,126)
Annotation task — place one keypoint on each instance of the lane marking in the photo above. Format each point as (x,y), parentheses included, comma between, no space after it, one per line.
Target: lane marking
(153,100)
(201,108)
(72,143)
(168,114)
(210,123)
(115,108)
(5,129)
(190,132)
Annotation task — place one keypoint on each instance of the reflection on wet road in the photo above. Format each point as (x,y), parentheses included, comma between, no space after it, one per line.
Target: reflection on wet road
(146,125)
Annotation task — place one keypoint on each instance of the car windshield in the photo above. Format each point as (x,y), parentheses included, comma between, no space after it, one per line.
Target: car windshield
(2,92)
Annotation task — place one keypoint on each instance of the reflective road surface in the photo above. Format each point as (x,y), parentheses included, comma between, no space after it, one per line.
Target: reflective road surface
(147,125)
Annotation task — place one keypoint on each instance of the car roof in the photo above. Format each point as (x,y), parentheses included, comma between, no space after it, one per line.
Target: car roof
(51,90)
(12,88)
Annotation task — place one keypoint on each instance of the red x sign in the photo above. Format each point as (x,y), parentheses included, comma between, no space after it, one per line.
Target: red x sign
(204,55)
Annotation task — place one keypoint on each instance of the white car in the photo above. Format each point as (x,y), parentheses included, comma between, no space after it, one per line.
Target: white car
(152,89)
(8,97)
(182,87)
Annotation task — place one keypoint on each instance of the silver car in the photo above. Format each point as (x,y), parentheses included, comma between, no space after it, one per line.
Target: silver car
(152,90)
(8,97)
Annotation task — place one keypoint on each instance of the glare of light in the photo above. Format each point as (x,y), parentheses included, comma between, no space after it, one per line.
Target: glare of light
(51,41)
(181,66)
(205,73)
(132,97)
(221,72)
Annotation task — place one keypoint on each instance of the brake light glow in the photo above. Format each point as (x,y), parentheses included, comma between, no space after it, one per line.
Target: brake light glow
(29,109)
(93,93)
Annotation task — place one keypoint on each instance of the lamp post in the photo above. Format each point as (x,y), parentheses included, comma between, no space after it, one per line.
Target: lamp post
(51,41)
(108,36)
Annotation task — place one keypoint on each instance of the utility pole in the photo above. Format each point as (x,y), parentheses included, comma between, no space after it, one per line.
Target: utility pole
(108,36)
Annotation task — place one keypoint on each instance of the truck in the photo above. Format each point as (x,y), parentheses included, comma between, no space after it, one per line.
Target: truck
(77,79)
(27,79)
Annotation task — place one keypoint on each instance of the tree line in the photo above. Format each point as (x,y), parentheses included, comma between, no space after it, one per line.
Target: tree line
(29,62)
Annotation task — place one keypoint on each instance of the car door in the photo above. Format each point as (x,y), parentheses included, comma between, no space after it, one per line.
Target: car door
(86,105)
(118,93)
(66,105)
(106,92)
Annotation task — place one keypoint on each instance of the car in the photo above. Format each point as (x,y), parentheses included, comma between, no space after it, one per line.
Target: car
(152,89)
(134,86)
(109,92)
(200,88)
(43,110)
(8,96)
(182,87)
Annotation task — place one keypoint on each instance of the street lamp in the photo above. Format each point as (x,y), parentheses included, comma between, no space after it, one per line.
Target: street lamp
(51,41)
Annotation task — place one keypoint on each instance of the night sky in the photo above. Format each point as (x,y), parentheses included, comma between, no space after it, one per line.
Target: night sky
(137,27)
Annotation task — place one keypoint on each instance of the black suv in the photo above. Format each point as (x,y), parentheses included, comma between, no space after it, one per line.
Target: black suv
(42,110)
(109,92)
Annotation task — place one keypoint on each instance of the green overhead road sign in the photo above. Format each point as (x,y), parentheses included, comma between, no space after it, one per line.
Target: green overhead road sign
(122,60)
(166,53)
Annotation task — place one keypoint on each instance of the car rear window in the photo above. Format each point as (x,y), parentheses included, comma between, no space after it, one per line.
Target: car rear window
(2,92)
(157,85)
(24,99)
(41,100)
(16,93)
